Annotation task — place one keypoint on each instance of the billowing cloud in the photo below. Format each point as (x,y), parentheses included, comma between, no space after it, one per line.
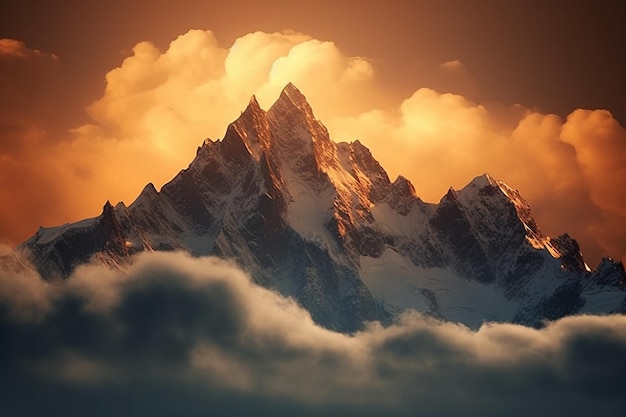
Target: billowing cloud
(158,106)
(156,110)
(197,83)
(600,145)
(175,334)
(453,77)
(571,170)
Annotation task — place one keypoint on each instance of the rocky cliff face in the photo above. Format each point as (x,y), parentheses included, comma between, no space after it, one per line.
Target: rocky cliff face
(322,222)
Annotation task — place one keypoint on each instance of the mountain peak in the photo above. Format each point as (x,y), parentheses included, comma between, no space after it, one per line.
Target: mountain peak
(299,139)
(107,206)
(146,196)
(253,108)
(321,222)
(248,134)
(253,104)
(484,180)
(292,97)
(290,88)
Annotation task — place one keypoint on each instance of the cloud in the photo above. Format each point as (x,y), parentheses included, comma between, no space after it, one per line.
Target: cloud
(24,296)
(600,144)
(12,48)
(453,65)
(153,95)
(159,105)
(453,77)
(26,83)
(570,170)
(174,334)
(155,111)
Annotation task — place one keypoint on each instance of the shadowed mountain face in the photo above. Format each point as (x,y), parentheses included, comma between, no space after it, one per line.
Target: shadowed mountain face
(321,222)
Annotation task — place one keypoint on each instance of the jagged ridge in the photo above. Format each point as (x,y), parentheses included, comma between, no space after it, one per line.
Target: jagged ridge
(322,222)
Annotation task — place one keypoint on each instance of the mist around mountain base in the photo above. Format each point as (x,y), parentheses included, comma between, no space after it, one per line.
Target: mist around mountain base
(282,273)
(173,334)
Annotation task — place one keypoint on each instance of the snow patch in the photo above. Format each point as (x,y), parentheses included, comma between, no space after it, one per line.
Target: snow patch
(395,281)
(48,234)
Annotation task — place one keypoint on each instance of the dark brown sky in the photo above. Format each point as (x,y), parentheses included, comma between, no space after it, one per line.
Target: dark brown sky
(553,55)
(529,80)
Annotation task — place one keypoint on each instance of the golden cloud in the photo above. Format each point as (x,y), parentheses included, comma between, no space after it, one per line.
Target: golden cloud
(571,171)
(158,106)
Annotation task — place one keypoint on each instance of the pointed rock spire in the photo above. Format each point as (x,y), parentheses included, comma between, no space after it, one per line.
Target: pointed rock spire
(402,195)
(107,208)
(253,102)
(249,134)
(484,180)
(149,192)
(252,111)
(293,93)
(404,186)
(300,140)
(450,196)
(571,256)
(291,98)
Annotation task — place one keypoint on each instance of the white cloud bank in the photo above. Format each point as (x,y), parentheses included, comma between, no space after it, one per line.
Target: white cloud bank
(175,334)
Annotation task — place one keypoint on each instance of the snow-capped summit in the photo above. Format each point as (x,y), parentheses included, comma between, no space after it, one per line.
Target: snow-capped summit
(321,221)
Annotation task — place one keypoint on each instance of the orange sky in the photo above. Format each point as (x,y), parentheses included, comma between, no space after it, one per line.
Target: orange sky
(96,100)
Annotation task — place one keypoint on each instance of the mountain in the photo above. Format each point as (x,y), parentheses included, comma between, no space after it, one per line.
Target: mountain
(321,222)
